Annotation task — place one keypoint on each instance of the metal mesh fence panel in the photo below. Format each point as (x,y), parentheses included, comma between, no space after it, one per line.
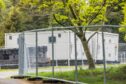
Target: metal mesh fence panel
(29,52)
(59,53)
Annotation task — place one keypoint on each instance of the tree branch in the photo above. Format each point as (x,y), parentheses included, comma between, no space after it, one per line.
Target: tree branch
(57,20)
(74,29)
(64,2)
(92,36)
(110,9)
(69,19)
(95,15)
(73,12)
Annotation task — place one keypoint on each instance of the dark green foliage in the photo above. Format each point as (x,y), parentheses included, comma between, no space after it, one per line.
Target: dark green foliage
(117,73)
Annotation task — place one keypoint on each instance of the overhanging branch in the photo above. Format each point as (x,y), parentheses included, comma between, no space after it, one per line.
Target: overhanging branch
(92,36)
(73,12)
(110,9)
(57,20)
(95,15)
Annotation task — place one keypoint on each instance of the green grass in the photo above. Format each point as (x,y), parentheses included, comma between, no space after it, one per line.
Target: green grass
(115,75)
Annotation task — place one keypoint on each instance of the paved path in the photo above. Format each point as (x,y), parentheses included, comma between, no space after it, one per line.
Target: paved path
(7,74)
(14,81)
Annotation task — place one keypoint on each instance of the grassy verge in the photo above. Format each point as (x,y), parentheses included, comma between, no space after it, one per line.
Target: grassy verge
(115,75)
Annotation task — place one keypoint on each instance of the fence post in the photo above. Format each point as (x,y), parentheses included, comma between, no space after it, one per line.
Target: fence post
(21,54)
(52,38)
(104,59)
(36,52)
(76,68)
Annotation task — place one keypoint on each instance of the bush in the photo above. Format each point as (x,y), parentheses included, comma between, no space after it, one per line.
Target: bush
(117,73)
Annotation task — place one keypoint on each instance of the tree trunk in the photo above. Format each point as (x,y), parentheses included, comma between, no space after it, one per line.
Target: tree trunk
(88,54)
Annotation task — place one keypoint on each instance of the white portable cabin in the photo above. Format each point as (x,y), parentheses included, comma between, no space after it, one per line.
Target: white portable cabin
(64,45)
(11,40)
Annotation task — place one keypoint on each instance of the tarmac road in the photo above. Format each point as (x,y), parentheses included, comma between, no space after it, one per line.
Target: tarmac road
(7,74)
(13,81)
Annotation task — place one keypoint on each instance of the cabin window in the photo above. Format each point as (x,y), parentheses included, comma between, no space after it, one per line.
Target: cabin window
(59,35)
(109,54)
(10,37)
